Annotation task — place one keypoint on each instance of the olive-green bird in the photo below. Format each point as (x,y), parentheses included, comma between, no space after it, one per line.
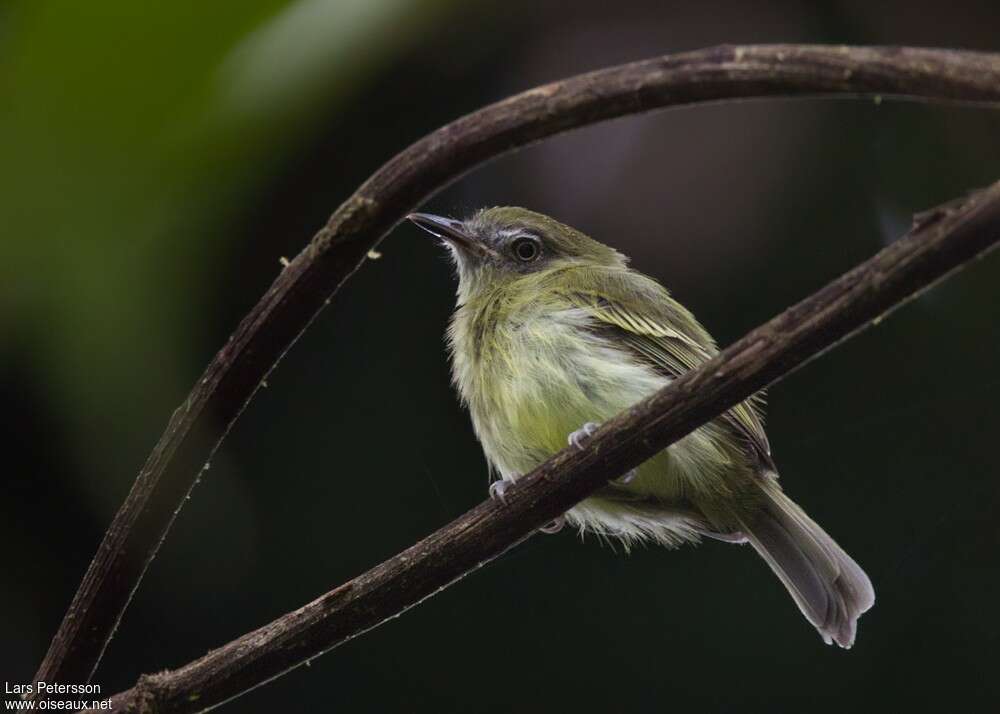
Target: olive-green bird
(554,332)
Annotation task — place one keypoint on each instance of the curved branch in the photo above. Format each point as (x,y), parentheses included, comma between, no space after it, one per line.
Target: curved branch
(940,242)
(339,248)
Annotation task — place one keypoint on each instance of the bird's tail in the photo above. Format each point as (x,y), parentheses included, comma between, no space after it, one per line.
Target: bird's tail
(831,590)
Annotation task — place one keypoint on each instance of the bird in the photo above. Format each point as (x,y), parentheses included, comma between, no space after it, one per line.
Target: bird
(552,334)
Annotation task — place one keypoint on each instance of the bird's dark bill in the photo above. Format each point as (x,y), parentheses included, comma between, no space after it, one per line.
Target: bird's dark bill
(447,228)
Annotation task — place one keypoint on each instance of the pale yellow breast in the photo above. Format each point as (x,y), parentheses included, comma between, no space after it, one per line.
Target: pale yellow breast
(537,378)
(540,375)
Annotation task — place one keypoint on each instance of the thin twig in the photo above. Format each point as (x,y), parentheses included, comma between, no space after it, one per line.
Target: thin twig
(340,247)
(933,248)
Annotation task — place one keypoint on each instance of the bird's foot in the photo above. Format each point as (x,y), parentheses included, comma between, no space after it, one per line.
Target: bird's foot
(498,489)
(578,438)
(554,526)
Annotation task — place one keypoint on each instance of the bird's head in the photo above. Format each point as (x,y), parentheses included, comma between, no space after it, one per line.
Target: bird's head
(498,245)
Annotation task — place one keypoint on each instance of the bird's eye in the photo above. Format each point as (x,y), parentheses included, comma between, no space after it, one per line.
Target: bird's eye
(526,249)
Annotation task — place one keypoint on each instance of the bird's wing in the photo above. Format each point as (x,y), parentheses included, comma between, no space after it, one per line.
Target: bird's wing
(636,311)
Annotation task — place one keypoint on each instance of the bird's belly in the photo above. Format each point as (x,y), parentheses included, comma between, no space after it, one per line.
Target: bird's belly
(548,385)
(546,380)
(551,381)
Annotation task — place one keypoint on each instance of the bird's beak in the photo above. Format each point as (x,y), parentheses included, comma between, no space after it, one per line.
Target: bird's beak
(452,231)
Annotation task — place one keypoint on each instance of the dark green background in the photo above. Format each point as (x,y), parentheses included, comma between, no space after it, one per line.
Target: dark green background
(156,161)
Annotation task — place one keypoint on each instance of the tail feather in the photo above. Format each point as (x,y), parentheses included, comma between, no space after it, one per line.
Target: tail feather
(831,590)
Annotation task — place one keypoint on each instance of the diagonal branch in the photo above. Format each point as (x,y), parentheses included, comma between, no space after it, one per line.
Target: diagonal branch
(940,242)
(339,248)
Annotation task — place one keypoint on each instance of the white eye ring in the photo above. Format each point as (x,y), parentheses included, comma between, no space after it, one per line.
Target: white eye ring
(526,249)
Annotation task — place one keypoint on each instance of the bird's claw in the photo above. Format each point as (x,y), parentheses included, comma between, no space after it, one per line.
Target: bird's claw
(498,489)
(554,526)
(578,437)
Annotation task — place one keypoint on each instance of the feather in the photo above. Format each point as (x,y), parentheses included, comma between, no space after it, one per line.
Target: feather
(637,312)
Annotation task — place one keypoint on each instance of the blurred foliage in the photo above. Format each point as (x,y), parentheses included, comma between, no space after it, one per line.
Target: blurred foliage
(132,133)
(156,160)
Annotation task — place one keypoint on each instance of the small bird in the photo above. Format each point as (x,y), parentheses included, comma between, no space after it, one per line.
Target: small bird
(553,333)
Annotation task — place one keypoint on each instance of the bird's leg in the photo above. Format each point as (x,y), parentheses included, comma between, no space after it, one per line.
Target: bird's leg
(498,489)
(580,436)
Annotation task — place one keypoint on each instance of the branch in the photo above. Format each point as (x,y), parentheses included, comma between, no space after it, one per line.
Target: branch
(940,242)
(339,248)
